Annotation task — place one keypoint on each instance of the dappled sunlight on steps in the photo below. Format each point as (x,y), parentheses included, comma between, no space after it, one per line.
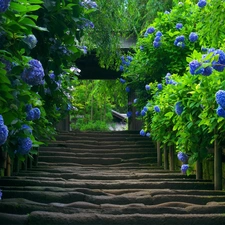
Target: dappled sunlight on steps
(109,178)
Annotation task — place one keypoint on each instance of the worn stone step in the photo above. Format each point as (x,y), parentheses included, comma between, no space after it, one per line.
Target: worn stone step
(41,217)
(110,184)
(103,175)
(95,160)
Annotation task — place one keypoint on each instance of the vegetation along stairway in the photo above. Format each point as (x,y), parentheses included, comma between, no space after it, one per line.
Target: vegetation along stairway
(106,179)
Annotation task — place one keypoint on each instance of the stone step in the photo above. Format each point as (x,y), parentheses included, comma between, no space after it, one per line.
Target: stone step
(110,184)
(102,175)
(95,160)
(42,217)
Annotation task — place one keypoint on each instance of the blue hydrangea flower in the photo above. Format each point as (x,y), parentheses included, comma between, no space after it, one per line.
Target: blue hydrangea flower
(129,114)
(202,3)
(158,34)
(33,114)
(24,145)
(157,39)
(145,108)
(160,87)
(180,44)
(178,108)
(137,113)
(28,107)
(184,168)
(156,44)
(142,133)
(121,68)
(220,98)
(34,74)
(193,37)
(127,89)
(166,12)
(179,26)
(3,134)
(130,58)
(220,111)
(180,38)
(122,81)
(156,108)
(204,50)
(31,41)
(1,120)
(4,5)
(220,64)
(207,71)
(26,128)
(89,4)
(52,76)
(150,30)
(143,112)
(148,134)
(0,194)
(141,48)
(147,87)
(195,67)
(135,100)
(183,157)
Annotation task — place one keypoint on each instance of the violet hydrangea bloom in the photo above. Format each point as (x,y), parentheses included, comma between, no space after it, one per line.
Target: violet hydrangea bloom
(195,67)
(150,30)
(220,64)
(156,108)
(178,108)
(33,114)
(142,133)
(3,134)
(220,111)
(34,74)
(202,3)
(24,145)
(179,26)
(147,87)
(184,168)
(183,157)
(220,98)
(4,5)
(31,41)
(193,37)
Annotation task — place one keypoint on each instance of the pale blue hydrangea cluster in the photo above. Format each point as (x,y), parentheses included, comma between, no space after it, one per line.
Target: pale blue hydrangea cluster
(86,23)
(125,62)
(129,114)
(33,114)
(220,99)
(157,109)
(159,86)
(34,74)
(178,108)
(3,131)
(179,41)
(142,132)
(122,81)
(193,37)
(26,128)
(147,87)
(169,80)
(149,30)
(24,146)
(179,26)
(4,5)
(184,168)
(202,3)
(157,41)
(89,4)
(31,41)
(183,157)
(135,100)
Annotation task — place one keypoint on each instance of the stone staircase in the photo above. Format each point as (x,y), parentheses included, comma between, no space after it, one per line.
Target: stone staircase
(109,178)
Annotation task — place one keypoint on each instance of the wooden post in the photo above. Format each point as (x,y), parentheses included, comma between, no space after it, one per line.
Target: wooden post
(217,166)
(166,160)
(171,156)
(8,167)
(17,165)
(159,155)
(29,162)
(199,174)
(24,165)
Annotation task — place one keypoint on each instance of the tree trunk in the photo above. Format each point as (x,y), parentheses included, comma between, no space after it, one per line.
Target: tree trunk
(166,160)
